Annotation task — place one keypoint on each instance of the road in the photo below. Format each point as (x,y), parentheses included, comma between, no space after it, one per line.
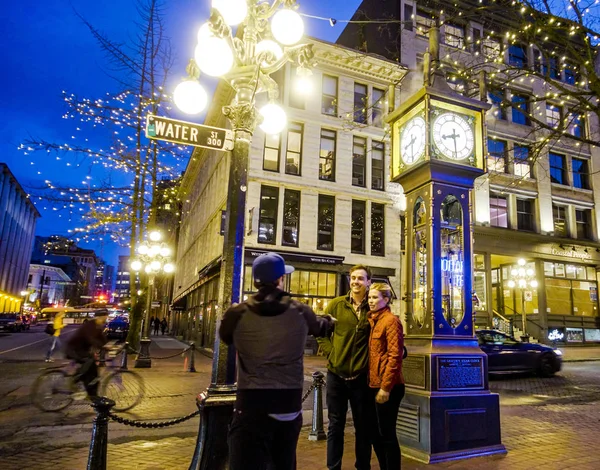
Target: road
(546,422)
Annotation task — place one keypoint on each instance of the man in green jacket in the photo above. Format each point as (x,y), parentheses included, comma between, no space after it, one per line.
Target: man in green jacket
(347,376)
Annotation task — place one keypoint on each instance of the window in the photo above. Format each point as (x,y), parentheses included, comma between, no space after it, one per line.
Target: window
(553,115)
(359,161)
(496,160)
(425,21)
(557,169)
(517,56)
(326,220)
(498,212)
(455,35)
(580,173)
(377,229)
(520,110)
(408,15)
(559,215)
(296,99)
(547,66)
(360,103)
(492,48)
(525,214)
(377,156)
(575,125)
(521,164)
(459,85)
(291,217)
(293,154)
(329,96)
(357,237)
(571,76)
(583,223)
(475,41)
(271,156)
(267,220)
(497,98)
(377,106)
(327,155)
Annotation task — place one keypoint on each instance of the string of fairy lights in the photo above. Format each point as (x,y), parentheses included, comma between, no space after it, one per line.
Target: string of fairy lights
(102,203)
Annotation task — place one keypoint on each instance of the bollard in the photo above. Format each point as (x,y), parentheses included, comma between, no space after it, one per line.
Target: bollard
(191,365)
(102,358)
(124,356)
(98,445)
(317,432)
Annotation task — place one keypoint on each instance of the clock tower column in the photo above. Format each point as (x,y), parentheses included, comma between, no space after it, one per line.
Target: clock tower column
(438,142)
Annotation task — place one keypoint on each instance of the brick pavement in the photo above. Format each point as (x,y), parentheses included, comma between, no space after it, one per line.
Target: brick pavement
(538,432)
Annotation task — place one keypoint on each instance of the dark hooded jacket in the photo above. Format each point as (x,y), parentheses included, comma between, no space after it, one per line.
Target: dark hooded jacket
(269,332)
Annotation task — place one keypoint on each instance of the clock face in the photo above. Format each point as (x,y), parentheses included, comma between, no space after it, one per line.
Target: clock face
(453,136)
(412,140)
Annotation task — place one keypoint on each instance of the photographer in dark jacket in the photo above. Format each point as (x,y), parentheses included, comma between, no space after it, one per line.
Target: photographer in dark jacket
(269,332)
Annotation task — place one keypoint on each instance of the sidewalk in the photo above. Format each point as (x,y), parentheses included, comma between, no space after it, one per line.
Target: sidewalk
(580,353)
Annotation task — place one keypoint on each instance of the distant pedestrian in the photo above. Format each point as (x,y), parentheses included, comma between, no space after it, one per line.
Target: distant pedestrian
(386,345)
(58,326)
(269,333)
(151,324)
(156,325)
(163,325)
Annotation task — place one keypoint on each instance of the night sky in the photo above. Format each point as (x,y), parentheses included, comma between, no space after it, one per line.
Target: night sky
(47,49)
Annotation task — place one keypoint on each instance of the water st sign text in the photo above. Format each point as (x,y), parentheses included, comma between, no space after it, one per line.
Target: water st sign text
(188,133)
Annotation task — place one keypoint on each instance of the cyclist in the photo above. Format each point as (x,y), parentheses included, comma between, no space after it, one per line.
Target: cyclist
(81,347)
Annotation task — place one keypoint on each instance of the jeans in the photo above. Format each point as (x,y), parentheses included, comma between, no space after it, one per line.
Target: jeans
(383,432)
(55,343)
(339,393)
(259,442)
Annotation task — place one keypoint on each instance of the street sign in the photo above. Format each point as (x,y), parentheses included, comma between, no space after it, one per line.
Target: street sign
(188,133)
(155,304)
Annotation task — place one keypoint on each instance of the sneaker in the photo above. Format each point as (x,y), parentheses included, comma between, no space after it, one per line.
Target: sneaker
(49,360)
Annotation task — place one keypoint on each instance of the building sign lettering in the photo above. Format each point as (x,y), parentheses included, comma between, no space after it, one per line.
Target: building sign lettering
(571,254)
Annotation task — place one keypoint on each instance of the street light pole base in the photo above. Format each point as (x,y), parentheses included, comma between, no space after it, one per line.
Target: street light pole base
(143,361)
(216,408)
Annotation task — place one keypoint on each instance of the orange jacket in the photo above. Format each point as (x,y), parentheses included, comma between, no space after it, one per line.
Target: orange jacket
(386,343)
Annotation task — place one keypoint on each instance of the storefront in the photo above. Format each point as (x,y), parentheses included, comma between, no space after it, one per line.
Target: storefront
(563,305)
(316,280)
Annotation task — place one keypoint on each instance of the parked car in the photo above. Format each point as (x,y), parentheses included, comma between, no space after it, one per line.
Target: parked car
(506,354)
(12,322)
(117,328)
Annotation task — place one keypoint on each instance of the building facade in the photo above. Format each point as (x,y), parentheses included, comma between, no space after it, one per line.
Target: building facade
(539,199)
(48,286)
(18,218)
(318,193)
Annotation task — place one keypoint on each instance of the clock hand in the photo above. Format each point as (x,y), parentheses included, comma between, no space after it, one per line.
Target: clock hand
(412,141)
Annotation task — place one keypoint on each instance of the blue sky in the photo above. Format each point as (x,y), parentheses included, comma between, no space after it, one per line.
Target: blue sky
(47,49)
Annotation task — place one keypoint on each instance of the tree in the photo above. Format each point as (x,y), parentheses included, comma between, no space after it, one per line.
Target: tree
(110,130)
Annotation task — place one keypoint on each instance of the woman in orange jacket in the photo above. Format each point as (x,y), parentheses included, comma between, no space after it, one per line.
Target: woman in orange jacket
(386,345)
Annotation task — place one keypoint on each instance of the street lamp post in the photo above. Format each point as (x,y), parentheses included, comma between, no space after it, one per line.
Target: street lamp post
(153,257)
(523,278)
(24,294)
(245,63)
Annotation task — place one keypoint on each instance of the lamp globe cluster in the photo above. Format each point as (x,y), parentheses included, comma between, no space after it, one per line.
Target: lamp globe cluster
(215,55)
(153,256)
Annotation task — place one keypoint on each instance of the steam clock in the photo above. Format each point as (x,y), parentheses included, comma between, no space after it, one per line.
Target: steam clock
(438,140)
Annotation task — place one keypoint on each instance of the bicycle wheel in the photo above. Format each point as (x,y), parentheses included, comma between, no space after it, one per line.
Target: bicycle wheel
(124,387)
(51,391)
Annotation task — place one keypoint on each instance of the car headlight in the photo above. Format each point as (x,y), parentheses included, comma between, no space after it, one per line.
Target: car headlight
(11,324)
(558,352)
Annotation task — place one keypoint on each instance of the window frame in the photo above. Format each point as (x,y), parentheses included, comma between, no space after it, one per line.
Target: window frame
(525,219)
(358,142)
(496,208)
(560,213)
(579,175)
(556,171)
(520,161)
(583,227)
(375,172)
(378,207)
(332,106)
(261,218)
(267,147)
(325,199)
(496,156)
(294,127)
(520,107)
(554,115)
(377,107)
(450,30)
(493,94)
(287,192)
(425,19)
(328,158)
(358,206)
(517,60)
(360,115)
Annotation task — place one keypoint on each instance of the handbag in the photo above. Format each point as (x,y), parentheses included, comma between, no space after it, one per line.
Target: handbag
(49,329)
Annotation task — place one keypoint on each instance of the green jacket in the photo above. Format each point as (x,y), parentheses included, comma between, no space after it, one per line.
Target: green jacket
(347,347)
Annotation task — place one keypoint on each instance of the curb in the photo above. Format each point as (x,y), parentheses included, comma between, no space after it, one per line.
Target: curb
(585,359)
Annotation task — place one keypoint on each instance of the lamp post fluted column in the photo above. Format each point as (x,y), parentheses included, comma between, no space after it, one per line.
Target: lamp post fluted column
(143,360)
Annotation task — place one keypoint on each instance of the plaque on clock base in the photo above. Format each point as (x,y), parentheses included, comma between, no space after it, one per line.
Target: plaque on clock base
(448,412)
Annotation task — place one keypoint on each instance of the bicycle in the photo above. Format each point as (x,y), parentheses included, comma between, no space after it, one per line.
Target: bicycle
(56,387)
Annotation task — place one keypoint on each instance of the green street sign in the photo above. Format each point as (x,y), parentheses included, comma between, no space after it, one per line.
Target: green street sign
(188,133)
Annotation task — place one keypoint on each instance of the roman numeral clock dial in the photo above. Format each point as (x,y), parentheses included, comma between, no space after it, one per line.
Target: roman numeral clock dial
(412,140)
(453,136)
